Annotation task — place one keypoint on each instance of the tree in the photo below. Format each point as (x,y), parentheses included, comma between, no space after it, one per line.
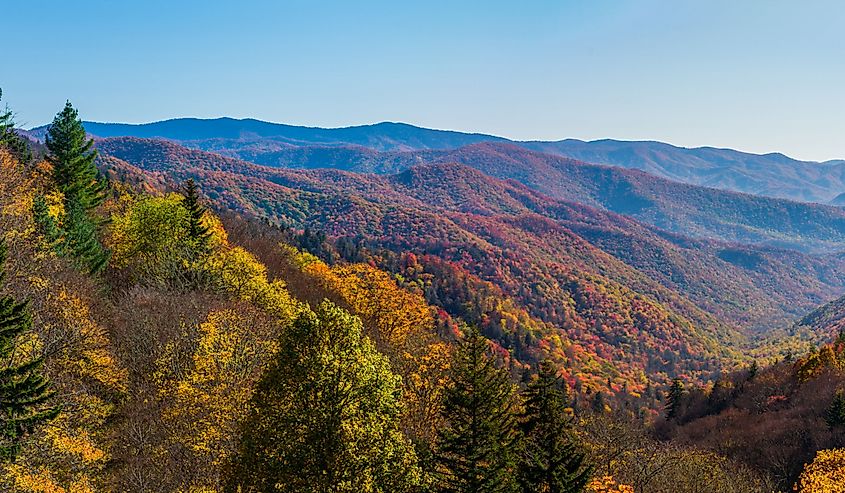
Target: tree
(475,451)
(550,460)
(81,242)
(198,232)
(835,414)
(77,178)
(10,139)
(72,156)
(676,395)
(24,390)
(826,474)
(325,415)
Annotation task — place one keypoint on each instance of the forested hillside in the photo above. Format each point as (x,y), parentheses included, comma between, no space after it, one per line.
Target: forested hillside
(771,175)
(173,320)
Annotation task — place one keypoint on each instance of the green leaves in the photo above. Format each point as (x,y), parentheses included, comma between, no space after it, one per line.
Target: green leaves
(326,415)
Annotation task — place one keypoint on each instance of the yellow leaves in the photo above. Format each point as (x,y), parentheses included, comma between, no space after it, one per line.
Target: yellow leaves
(240,273)
(81,444)
(92,358)
(205,402)
(390,313)
(815,363)
(826,474)
(55,205)
(606,484)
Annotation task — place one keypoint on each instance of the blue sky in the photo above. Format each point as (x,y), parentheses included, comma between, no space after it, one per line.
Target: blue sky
(766,75)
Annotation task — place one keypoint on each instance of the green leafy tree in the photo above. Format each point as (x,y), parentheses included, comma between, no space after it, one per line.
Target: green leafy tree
(550,460)
(72,155)
(325,415)
(10,139)
(475,452)
(675,398)
(834,416)
(24,390)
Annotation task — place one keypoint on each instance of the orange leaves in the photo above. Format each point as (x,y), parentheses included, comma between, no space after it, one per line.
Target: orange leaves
(606,484)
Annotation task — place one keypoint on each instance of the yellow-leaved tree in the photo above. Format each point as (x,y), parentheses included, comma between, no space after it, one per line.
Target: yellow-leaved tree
(826,474)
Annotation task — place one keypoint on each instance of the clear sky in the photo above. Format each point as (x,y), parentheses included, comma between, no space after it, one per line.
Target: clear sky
(761,76)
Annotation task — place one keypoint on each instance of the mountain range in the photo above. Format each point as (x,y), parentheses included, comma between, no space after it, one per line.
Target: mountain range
(771,175)
(567,263)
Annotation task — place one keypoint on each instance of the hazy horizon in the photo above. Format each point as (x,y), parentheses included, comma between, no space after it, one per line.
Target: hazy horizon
(754,76)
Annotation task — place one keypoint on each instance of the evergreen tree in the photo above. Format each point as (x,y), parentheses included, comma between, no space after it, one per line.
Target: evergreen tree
(834,416)
(10,139)
(80,241)
(475,453)
(550,460)
(676,395)
(72,155)
(325,416)
(753,370)
(44,222)
(24,390)
(197,231)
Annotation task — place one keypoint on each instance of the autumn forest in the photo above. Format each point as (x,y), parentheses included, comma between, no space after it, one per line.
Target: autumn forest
(315,313)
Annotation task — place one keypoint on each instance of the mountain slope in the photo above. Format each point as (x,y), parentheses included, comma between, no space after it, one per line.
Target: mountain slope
(685,209)
(751,287)
(606,308)
(773,175)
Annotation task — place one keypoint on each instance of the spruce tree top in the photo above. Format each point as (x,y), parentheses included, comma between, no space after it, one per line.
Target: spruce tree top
(72,156)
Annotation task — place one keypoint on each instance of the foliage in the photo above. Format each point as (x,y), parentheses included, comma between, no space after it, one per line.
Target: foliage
(476,450)
(675,398)
(10,139)
(24,389)
(81,185)
(835,414)
(198,231)
(325,415)
(550,460)
(826,474)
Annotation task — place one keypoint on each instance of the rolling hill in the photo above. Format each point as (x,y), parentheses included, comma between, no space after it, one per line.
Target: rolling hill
(772,175)
(692,211)
(455,211)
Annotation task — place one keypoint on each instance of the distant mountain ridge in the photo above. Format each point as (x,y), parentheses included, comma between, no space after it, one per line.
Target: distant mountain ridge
(771,175)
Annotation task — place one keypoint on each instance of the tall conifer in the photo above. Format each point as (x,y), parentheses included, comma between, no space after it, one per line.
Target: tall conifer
(197,231)
(476,451)
(550,459)
(24,390)
(72,155)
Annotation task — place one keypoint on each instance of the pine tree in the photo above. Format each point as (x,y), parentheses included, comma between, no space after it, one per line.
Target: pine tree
(80,241)
(10,139)
(475,453)
(325,416)
(24,390)
(45,223)
(550,460)
(72,155)
(834,416)
(676,395)
(197,231)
